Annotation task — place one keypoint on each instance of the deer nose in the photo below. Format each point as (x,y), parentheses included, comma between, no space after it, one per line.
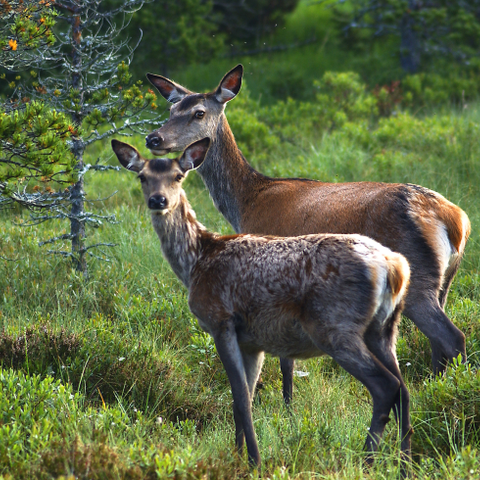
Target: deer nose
(153,140)
(157,202)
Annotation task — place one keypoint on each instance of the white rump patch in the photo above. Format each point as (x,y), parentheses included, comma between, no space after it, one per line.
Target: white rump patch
(445,251)
(385,303)
(374,255)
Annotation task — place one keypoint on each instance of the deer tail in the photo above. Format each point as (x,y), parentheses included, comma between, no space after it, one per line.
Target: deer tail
(398,276)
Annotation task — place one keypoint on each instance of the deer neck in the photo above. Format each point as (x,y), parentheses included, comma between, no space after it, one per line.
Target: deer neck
(180,235)
(230,179)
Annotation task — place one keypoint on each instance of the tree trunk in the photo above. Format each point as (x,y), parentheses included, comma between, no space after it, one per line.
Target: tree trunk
(77,212)
(77,223)
(409,47)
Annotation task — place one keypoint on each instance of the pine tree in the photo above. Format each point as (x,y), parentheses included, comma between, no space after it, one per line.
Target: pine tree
(34,153)
(85,76)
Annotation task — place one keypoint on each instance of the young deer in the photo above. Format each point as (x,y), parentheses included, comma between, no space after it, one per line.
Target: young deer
(421,224)
(296,297)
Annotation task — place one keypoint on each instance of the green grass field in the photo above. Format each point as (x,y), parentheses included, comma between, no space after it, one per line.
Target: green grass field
(109,377)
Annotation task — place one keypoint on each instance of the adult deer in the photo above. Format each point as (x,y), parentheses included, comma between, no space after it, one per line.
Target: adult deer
(427,229)
(296,297)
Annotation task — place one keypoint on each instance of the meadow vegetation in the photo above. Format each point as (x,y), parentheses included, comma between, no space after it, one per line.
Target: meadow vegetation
(109,377)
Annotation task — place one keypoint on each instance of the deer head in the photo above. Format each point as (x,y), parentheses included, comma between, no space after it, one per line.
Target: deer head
(193,116)
(161,178)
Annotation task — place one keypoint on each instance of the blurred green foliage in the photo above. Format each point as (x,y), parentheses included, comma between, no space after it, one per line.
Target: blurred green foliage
(178,33)
(249,21)
(426,31)
(174,34)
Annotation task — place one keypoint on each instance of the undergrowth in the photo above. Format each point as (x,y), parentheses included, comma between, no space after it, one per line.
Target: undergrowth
(110,377)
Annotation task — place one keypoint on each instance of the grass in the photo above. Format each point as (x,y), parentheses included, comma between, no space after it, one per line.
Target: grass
(110,376)
(149,393)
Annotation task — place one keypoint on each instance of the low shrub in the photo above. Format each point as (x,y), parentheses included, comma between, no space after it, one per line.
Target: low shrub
(430,89)
(74,459)
(106,367)
(447,411)
(39,349)
(461,465)
(339,98)
(185,465)
(344,98)
(413,352)
(33,412)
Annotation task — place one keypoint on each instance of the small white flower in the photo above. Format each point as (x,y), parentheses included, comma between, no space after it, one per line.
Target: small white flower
(159,420)
(407,364)
(300,373)
(121,359)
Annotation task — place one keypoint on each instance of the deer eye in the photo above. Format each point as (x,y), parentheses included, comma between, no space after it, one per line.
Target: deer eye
(199,114)
(179,178)
(141,178)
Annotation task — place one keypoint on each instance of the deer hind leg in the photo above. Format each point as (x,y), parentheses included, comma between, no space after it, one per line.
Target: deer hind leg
(383,386)
(447,281)
(232,359)
(253,366)
(446,340)
(382,345)
(286,365)
(351,353)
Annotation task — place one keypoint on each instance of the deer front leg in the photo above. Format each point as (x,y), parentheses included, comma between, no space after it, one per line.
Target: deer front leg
(381,342)
(286,365)
(231,357)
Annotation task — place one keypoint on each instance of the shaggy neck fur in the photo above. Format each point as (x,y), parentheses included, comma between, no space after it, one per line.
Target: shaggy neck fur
(180,233)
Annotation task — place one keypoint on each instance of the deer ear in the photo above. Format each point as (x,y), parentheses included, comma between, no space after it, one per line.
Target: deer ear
(171,91)
(230,85)
(128,156)
(194,155)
